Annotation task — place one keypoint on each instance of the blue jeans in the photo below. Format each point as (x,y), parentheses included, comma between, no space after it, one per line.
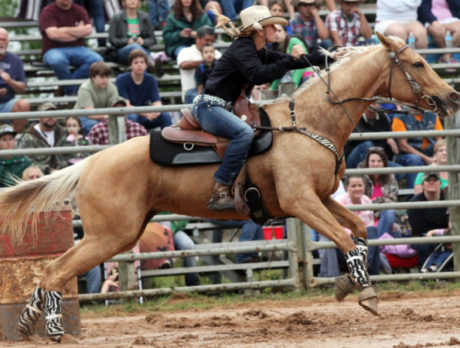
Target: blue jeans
(358,154)
(250,231)
(373,257)
(183,242)
(164,120)
(93,280)
(218,121)
(97,13)
(232,7)
(409,160)
(87,124)
(386,221)
(190,95)
(60,60)
(158,11)
(123,53)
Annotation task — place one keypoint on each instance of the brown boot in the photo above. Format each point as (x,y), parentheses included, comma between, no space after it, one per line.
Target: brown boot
(221,199)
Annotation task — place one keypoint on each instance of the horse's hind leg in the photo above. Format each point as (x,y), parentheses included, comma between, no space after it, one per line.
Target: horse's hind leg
(344,284)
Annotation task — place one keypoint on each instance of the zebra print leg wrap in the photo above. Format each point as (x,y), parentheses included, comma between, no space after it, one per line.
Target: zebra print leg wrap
(361,245)
(53,315)
(357,268)
(32,312)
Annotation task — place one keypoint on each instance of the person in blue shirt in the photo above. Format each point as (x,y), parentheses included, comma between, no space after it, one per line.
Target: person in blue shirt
(141,89)
(12,81)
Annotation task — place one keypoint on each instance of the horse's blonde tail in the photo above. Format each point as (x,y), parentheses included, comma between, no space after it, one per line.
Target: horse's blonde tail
(23,203)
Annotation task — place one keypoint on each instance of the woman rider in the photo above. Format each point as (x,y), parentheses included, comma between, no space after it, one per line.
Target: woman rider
(244,64)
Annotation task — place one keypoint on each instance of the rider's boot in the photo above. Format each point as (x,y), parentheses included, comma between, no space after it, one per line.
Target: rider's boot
(221,198)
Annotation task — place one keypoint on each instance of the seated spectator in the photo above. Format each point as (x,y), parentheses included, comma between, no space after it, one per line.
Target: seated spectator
(440,16)
(31,173)
(182,241)
(45,133)
(141,89)
(182,23)
(278,7)
(355,186)
(96,92)
(231,8)
(99,134)
(439,158)
(424,220)
(111,283)
(284,43)
(439,256)
(415,151)
(95,9)
(309,26)
(190,58)
(75,138)
(10,166)
(64,26)
(348,24)
(158,11)
(399,18)
(12,81)
(129,30)
(381,188)
(203,70)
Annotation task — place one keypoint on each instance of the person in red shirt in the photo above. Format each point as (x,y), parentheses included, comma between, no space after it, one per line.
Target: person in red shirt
(64,26)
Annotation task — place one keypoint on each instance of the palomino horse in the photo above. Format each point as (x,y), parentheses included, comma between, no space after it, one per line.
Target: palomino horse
(119,189)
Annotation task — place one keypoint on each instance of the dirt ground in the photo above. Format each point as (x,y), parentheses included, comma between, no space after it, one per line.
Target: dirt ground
(407,320)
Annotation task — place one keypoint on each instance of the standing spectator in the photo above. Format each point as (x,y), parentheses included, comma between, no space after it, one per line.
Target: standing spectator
(10,165)
(355,186)
(141,89)
(203,70)
(12,81)
(424,220)
(190,58)
(348,24)
(399,18)
(440,159)
(181,25)
(95,8)
(130,29)
(64,26)
(440,16)
(381,188)
(415,151)
(309,26)
(45,133)
(231,8)
(158,11)
(96,92)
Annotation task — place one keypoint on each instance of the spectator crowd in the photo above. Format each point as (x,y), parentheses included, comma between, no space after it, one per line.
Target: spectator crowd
(188,34)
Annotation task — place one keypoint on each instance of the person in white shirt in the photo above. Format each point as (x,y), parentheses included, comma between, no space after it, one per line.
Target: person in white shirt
(188,60)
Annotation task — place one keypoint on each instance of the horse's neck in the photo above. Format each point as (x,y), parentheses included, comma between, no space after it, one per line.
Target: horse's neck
(360,77)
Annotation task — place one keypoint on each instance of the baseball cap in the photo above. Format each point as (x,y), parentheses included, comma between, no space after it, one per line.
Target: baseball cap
(428,175)
(6,129)
(47,106)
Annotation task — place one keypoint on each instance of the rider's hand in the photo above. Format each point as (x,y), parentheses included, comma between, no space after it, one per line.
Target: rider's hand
(297,51)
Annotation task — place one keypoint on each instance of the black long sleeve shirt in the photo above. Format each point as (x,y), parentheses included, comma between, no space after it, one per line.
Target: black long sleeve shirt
(423,220)
(242,65)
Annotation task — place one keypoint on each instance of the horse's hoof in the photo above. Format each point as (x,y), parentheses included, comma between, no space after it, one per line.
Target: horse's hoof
(368,300)
(343,286)
(55,338)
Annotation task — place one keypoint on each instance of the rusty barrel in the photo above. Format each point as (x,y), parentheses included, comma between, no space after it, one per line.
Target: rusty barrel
(21,266)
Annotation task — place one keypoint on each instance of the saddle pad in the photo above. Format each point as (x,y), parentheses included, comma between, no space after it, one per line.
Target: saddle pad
(166,153)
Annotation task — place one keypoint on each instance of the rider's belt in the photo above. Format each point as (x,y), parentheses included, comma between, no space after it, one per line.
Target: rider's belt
(213,101)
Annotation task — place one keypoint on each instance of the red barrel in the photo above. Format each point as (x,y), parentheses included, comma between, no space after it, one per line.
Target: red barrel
(21,267)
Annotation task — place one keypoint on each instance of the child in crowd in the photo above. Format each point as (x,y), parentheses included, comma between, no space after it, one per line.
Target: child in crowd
(75,138)
(203,70)
(31,173)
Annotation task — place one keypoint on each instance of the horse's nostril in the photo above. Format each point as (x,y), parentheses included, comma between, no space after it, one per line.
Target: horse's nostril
(455,97)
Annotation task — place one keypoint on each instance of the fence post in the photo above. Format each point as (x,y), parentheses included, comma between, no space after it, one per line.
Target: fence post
(117,129)
(293,225)
(309,274)
(453,156)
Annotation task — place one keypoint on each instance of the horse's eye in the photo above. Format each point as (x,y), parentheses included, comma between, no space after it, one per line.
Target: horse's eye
(418,65)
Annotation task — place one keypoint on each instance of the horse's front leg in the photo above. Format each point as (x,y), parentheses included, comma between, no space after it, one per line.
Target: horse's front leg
(314,213)
(344,284)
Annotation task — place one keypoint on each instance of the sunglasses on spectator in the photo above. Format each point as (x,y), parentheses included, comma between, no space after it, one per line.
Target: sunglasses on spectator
(376,148)
(303,4)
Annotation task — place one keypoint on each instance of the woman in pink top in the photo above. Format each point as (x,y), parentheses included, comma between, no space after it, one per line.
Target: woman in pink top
(381,188)
(354,185)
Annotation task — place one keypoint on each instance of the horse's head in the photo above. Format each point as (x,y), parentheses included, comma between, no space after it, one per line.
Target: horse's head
(412,80)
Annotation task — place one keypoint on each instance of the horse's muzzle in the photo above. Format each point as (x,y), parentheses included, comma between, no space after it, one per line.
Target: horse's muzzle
(451,103)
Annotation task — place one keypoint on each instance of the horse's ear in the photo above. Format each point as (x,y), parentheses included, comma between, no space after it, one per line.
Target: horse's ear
(386,41)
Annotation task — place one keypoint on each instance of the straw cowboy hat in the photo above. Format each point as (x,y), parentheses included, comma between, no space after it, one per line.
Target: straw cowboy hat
(255,17)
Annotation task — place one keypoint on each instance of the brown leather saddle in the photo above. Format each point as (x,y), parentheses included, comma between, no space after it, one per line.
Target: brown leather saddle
(189,133)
